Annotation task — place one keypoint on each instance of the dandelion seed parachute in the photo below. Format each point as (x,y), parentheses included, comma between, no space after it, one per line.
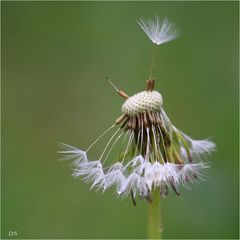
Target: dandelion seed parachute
(156,154)
(159,32)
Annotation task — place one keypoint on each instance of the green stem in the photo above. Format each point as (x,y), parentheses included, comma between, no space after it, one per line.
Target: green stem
(154,217)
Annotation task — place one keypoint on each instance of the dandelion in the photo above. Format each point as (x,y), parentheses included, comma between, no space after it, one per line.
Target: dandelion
(156,155)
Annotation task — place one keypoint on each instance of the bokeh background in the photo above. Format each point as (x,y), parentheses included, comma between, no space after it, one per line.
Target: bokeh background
(55,57)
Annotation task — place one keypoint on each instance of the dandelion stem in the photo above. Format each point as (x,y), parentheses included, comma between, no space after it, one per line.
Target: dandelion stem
(154,217)
(153,61)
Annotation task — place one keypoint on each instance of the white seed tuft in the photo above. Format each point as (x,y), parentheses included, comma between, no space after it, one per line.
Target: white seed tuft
(134,183)
(76,155)
(159,31)
(202,147)
(192,172)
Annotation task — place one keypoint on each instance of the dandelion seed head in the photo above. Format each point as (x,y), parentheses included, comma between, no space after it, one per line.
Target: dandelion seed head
(154,153)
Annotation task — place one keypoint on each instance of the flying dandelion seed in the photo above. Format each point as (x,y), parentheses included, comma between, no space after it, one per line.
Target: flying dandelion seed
(157,154)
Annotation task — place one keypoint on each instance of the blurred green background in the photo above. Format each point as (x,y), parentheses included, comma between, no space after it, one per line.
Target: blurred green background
(55,57)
